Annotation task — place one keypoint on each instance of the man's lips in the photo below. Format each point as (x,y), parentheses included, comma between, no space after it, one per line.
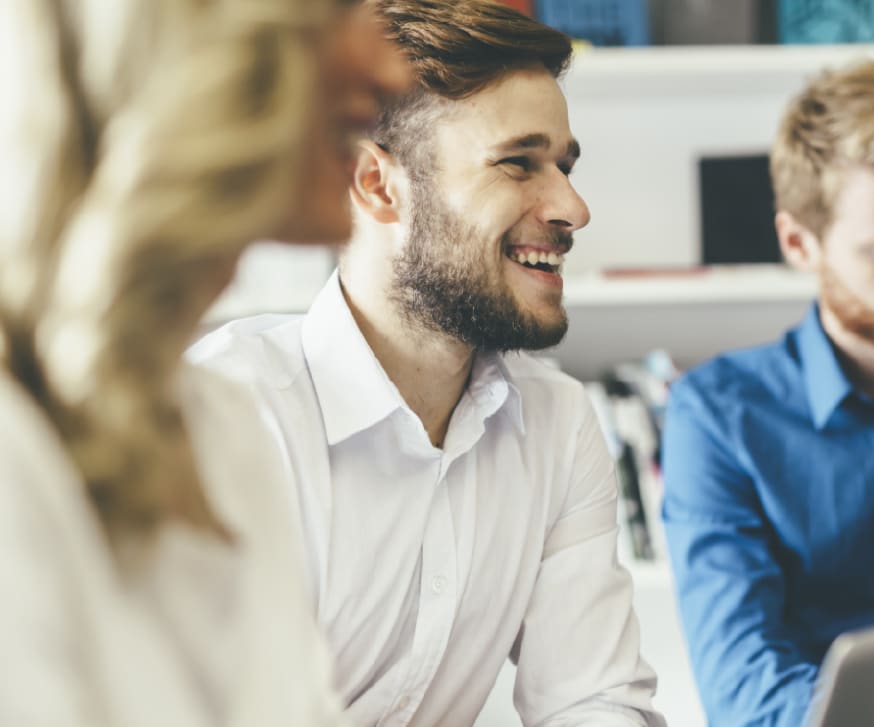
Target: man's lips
(536,255)
(549,275)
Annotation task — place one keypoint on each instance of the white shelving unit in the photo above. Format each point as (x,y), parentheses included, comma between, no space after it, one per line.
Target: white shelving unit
(649,574)
(740,284)
(273,278)
(692,316)
(645,116)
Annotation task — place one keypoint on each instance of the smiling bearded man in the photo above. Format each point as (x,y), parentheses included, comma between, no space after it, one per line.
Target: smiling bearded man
(441,284)
(458,501)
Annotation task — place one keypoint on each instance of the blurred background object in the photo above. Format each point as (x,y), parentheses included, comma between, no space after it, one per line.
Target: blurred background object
(523,6)
(699,22)
(601,22)
(737,210)
(826,21)
(703,22)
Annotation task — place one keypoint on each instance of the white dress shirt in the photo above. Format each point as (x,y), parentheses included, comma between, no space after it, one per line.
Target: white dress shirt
(194,633)
(430,566)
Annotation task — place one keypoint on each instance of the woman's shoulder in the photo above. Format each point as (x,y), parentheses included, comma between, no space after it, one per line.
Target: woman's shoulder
(33,462)
(234,446)
(22,421)
(42,497)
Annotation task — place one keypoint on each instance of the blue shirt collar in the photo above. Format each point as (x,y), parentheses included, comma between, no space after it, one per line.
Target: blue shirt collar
(824,379)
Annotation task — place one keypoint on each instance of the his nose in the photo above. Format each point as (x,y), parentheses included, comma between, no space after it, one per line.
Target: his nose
(562,206)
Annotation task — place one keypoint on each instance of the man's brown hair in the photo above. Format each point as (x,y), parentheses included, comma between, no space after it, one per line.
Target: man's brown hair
(457,48)
(827,128)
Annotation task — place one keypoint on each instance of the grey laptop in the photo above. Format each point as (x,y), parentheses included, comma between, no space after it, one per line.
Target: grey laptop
(844,695)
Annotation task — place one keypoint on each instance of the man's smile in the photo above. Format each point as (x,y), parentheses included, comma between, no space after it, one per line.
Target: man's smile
(541,263)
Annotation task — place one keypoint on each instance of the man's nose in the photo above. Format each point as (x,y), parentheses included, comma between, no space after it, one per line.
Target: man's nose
(562,206)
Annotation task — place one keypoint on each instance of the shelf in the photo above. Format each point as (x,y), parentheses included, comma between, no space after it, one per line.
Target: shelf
(650,575)
(723,285)
(734,284)
(654,69)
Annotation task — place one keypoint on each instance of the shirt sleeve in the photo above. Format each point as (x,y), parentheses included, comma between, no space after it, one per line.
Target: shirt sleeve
(579,651)
(730,586)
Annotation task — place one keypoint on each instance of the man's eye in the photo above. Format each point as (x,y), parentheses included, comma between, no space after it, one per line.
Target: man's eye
(523,163)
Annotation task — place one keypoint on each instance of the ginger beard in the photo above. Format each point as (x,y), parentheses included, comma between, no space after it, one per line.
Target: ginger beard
(854,315)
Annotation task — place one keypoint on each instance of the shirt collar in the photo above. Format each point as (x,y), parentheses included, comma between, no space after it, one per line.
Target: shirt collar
(353,390)
(825,381)
(491,388)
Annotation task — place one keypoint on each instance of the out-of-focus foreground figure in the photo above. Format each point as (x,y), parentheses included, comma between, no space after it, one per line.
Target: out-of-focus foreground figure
(146,568)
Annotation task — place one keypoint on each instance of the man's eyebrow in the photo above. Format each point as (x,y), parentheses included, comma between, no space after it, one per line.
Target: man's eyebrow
(536,141)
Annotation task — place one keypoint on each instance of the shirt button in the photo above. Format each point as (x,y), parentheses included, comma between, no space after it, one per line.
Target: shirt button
(403,703)
(438,584)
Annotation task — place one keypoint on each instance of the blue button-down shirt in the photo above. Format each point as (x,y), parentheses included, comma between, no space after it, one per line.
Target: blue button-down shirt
(769,514)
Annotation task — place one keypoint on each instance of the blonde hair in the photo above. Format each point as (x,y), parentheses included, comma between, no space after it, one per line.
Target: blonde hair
(826,129)
(145,143)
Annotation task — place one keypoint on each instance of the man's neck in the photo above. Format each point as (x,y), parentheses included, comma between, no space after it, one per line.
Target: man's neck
(430,370)
(856,352)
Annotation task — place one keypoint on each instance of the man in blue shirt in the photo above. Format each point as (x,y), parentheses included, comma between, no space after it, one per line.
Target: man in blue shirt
(769,452)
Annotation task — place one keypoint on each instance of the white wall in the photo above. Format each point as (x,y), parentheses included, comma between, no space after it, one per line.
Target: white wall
(643,117)
(273,277)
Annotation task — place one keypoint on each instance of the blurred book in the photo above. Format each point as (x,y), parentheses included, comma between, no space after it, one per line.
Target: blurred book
(600,22)
(630,402)
(634,529)
(523,6)
(826,21)
(713,22)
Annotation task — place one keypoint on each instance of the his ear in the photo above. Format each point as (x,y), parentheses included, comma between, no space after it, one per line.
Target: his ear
(800,247)
(375,182)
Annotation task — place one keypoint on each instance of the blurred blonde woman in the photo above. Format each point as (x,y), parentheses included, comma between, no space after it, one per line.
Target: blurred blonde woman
(147,571)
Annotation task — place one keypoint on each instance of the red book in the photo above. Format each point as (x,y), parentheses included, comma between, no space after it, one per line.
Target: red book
(523,6)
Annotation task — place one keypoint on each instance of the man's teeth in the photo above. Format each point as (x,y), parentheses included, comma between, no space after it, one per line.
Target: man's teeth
(532,258)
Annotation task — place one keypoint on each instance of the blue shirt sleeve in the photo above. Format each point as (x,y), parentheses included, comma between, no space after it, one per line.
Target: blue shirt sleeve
(730,587)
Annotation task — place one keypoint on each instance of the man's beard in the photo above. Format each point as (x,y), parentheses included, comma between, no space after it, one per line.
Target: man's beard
(852,312)
(442,283)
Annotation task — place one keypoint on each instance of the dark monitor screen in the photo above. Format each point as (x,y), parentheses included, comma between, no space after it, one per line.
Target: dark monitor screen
(737,211)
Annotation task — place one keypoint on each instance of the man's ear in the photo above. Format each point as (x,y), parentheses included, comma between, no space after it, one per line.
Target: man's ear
(376,182)
(799,245)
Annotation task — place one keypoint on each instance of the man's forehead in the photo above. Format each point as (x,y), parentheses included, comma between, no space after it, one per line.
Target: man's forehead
(524,110)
